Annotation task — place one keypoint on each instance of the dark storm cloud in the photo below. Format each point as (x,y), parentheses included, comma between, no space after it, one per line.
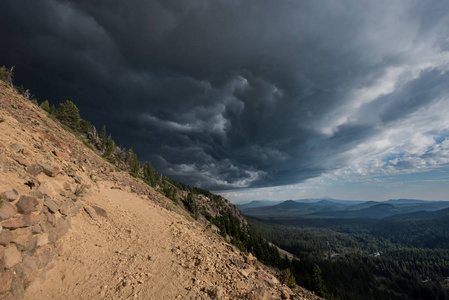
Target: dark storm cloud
(232,94)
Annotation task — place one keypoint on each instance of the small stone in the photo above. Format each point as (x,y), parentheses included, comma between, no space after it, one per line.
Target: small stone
(26,152)
(15,147)
(100,211)
(21,236)
(67,186)
(65,208)
(251,260)
(91,212)
(11,195)
(6,281)
(5,237)
(62,227)
(7,210)
(29,265)
(12,256)
(27,204)
(43,255)
(51,205)
(22,221)
(34,170)
(36,229)
(21,160)
(60,154)
(49,170)
(42,239)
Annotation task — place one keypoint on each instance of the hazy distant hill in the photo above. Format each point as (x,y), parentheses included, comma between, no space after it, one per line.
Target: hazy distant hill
(343,208)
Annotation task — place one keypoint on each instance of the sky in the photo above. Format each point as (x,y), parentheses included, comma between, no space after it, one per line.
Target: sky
(253,99)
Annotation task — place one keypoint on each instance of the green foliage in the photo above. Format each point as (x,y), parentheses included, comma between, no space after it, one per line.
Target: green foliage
(192,205)
(20,90)
(52,110)
(133,163)
(85,126)
(34,101)
(103,139)
(3,73)
(68,114)
(286,277)
(108,152)
(148,174)
(317,282)
(45,106)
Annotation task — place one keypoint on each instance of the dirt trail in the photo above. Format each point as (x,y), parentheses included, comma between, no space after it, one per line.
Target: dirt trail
(128,254)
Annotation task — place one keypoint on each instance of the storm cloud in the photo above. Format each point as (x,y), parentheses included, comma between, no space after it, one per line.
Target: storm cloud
(245,93)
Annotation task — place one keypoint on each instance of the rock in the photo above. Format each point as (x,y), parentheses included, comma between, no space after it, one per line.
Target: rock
(21,236)
(285,293)
(15,147)
(100,211)
(5,237)
(22,221)
(67,187)
(12,256)
(66,207)
(34,170)
(62,227)
(51,205)
(61,154)
(37,194)
(49,170)
(7,210)
(6,281)
(42,239)
(11,195)
(1,228)
(21,160)
(2,252)
(216,292)
(26,152)
(27,204)
(29,265)
(43,255)
(36,229)
(251,260)
(91,212)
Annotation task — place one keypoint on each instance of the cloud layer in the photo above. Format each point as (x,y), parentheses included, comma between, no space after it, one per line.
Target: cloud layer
(235,94)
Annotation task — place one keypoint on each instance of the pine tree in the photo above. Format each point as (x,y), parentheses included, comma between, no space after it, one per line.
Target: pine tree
(317,282)
(108,152)
(68,114)
(103,139)
(45,106)
(148,174)
(133,163)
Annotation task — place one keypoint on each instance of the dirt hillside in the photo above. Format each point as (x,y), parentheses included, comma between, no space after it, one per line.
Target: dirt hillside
(98,233)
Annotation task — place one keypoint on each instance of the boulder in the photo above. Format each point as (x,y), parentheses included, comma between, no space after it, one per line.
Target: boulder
(22,221)
(15,147)
(27,204)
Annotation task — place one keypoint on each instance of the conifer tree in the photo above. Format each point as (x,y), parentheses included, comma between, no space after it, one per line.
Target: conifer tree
(45,106)
(68,114)
(133,163)
(103,139)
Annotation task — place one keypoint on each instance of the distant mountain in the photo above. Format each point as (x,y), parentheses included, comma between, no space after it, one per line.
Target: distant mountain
(257,203)
(423,214)
(331,208)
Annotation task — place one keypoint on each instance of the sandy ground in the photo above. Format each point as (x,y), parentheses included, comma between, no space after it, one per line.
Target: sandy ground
(128,254)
